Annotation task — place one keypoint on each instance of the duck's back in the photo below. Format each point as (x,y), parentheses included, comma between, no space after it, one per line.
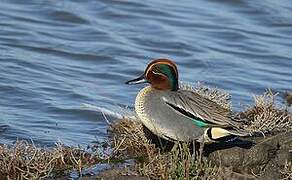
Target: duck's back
(161,119)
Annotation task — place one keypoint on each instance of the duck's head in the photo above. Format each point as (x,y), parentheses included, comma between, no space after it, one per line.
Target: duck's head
(161,74)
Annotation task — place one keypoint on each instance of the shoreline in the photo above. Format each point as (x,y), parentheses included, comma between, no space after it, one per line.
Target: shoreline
(130,153)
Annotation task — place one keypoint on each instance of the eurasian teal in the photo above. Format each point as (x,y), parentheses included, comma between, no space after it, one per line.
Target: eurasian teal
(177,114)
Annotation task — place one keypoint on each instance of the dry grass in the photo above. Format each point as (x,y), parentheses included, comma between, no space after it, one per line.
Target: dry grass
(129,139)
(187,165)
(179,163)
(24,160)
(286,173)
(266,117)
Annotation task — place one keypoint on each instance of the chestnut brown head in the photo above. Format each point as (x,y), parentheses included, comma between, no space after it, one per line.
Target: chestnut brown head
(162,74)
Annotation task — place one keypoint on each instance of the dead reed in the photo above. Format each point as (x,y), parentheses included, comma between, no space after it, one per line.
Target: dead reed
(24,160)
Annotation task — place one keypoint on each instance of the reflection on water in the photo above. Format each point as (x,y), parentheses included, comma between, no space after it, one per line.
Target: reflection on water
(58,55)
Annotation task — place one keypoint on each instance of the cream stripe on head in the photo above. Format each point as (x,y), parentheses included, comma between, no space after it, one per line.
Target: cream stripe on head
(161,61)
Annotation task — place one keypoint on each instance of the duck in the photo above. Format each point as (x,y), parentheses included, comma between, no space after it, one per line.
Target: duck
(178,114)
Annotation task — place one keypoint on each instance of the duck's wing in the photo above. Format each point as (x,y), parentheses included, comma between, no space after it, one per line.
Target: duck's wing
(202,111)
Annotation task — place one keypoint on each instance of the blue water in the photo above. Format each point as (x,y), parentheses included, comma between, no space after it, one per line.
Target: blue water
(56,55)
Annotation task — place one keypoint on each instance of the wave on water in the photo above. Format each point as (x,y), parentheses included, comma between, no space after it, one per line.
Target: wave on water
(117,112)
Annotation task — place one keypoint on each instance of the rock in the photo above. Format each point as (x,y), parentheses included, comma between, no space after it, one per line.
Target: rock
(266,157)
(115,174)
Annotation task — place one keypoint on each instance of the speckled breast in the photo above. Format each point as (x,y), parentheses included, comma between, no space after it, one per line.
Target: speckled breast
(161,119)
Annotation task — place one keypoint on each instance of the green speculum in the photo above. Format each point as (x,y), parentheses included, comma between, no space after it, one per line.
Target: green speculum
(199,123)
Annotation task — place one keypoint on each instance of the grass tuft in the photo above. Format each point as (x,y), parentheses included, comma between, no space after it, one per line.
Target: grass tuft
(266,117)
(129,140)
(179,163)
(24,160)
(286,172)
